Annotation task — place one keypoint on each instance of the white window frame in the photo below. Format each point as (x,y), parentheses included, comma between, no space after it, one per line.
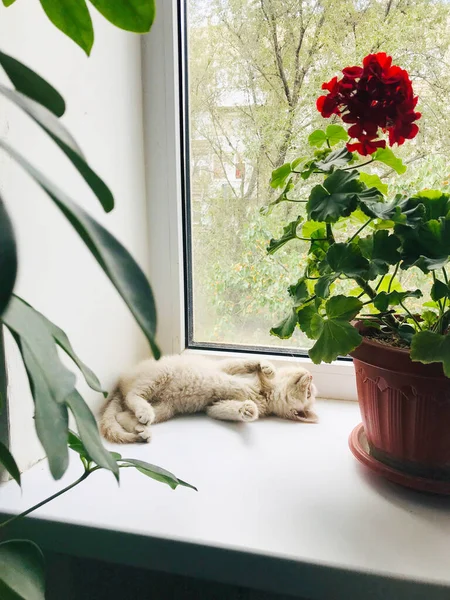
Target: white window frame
(163,140)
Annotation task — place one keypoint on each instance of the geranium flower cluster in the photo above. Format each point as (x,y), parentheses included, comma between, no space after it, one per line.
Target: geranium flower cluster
(377,97)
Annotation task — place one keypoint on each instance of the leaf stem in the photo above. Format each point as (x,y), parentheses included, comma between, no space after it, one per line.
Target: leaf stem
(358,166)
(380,282)
(393,277)
(441,306)
(411,316)
(47,500)
(359,230)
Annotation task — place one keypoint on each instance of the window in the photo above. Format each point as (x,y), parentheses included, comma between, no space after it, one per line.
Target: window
(252,70)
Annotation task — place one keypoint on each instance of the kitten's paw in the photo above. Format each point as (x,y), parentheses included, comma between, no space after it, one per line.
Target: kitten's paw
(248,411)
(145,414)
(144,432)
(267,369)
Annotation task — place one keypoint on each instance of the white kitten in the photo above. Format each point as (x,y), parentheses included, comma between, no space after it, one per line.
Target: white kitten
(232,390)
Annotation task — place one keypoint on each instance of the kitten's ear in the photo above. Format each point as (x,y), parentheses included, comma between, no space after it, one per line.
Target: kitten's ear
(305,416)
(305,381)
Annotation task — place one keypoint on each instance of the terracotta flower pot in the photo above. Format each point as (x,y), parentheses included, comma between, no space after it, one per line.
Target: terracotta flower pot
(405,408)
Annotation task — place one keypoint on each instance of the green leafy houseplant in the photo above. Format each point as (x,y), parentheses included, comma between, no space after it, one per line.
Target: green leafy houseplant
(350,277)
(349,299)
(52,384)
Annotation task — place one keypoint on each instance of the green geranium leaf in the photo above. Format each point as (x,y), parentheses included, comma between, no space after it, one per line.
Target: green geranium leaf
(343,307)
(336,198)
(406,332)
(386,156)
(399,211)
(429,347)
(289,233)
(322,287)
(280,176)
(427,246)
(267,210)
(286,327)
(297,161)
(383,300)
(317,138)
(298,292)
(319,243)
(304,318)
(381,249)
(336,134)
(347,259)
(436,203)
(22,571)
(72,18)
(439,290)
(337,338)
(334,160)
(374,181)
(131,15)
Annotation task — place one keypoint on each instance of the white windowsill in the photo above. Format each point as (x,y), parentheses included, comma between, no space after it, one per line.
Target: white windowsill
(281,506)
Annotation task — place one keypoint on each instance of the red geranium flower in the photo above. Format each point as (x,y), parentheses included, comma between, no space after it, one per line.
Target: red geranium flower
(377,96)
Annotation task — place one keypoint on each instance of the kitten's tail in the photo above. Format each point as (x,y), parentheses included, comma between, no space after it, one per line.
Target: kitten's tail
(110,428)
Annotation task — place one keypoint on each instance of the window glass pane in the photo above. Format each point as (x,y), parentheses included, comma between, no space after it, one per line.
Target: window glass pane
(255,69)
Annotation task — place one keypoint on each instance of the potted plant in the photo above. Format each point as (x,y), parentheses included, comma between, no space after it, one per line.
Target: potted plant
(349,299)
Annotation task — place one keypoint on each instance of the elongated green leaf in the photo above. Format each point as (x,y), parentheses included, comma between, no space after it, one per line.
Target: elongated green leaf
(429,347)
(51,418)
(29,83)
(22,575)
(62,138)
(157,473)
(77,445)
(72,18)
(8,258)
(8,2)
(87,427)
(26,323)
(114,259)
(286,327)
(63,342)
(7,460)
(131,15)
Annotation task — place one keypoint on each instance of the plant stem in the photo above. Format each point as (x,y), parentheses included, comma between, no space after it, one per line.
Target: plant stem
(441,307)
(393,277)
(358,166)
(445,275)
(46,501)
(365,287)
(411,316)
(380,282)
(359,230)
(330,235)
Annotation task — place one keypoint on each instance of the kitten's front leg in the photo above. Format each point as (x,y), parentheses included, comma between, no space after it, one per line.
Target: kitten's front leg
(140,407)
(247,366)
(233,410)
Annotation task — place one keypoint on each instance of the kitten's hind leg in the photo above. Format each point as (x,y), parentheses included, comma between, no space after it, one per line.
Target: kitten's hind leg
(140,407)
(233,410)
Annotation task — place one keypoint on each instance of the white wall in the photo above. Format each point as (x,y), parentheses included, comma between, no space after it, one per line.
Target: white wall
(57,273)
